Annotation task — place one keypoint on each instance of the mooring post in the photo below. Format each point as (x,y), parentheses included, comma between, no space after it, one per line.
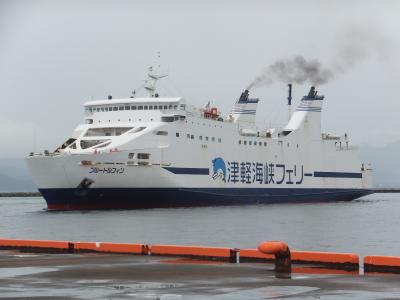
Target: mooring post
(234,256)
(283,261)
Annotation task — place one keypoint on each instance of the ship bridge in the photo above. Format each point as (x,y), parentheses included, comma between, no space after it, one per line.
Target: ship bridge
(134,110)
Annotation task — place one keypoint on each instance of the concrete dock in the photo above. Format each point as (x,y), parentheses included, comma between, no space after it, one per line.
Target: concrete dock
(114,276)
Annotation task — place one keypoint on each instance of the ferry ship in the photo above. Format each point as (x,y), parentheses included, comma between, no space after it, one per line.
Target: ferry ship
(154,151)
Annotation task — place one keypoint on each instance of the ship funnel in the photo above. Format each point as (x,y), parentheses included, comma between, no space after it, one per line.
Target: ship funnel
(308,115)
(244,96)
(245,109)
(312,93)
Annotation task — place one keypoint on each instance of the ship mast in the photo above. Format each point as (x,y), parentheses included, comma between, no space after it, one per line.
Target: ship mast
(154,75)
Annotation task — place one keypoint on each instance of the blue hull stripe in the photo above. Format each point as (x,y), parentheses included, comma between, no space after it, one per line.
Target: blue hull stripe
(337,174)
(134,198)
(188,171)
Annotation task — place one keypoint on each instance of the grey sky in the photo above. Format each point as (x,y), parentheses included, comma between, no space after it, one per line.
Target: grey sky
(55,55)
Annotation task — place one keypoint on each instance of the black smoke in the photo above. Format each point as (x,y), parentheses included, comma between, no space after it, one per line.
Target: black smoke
(296,70)
(351,47)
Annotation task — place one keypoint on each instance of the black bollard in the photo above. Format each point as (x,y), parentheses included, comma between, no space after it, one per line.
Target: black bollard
(283,265)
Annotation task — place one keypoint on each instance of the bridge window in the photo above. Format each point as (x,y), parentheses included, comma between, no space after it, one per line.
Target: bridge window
(133,107)
(146,107)
(177,134)
(127,107)
(200,137)
(175,106)
(245,142)
(206,138)
(150,107)
(85,144)
(240,142)
(121,108)
(265,144)
(213,139)
(131,155)
(168,118)
(250,143)
(143,155)
(140,108)
(115,108)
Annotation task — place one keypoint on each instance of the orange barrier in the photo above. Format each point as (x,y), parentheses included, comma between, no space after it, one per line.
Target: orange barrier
(111,247)
(34,244)
(86,246)
(253,255)
(124,248)
(344,259)
(341,260)
(74,246)
(192,251)
(379,263)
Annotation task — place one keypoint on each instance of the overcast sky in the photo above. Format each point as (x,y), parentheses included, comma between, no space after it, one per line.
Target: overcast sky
(56,55)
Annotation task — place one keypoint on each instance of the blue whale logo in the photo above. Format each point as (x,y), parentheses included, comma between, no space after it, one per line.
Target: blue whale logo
(219,169)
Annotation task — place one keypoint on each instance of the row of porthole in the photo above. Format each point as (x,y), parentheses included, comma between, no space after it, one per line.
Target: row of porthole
(204,124)
(255,143)
(252,143)
(206,138)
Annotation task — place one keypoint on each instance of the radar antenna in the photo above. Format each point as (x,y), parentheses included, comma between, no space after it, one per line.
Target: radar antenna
(154,75)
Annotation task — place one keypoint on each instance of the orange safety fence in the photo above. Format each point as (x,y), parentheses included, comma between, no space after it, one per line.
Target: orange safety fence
(380,263)
(86,246)
(111,247)
(124,248)
(45,244)
(380,260)
(200,252)
(194,251)
(325,257)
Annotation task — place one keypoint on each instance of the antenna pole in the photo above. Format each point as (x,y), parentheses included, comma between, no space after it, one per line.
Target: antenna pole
(150,84)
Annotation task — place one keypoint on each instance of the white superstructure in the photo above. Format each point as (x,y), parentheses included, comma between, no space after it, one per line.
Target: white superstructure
(162,151)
